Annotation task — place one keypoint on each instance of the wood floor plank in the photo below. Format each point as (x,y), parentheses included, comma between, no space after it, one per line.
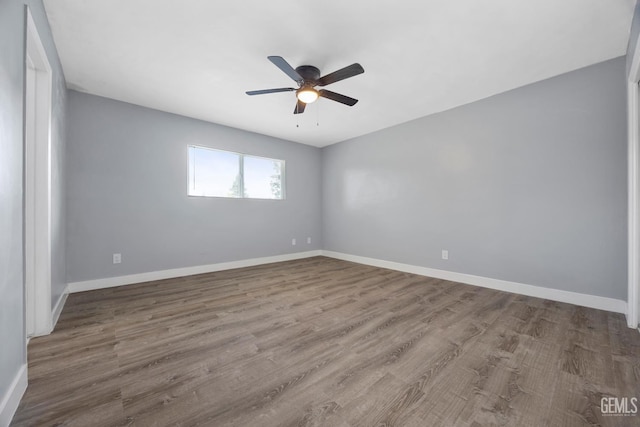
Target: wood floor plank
(323,342)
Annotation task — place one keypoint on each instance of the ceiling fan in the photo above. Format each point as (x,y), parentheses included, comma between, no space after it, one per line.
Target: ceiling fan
(308,77)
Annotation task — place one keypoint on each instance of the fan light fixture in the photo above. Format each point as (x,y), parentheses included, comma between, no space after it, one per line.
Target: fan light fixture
(307,95)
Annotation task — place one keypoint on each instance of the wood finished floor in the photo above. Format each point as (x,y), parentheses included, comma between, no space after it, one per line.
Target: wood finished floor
(325,342)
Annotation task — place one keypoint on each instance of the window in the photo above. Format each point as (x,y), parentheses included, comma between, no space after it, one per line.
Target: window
(217,173)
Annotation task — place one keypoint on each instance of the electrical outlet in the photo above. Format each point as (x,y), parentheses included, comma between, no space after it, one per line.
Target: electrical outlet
(117,258)
(293,242)
(308,240)
(445,254)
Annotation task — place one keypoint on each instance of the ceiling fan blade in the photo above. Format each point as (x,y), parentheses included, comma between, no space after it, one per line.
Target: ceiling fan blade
(343,73)
(263,91)
(343,99)
(279,62)
(299,107)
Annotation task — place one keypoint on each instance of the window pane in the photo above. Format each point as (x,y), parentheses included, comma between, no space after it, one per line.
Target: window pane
(214,173)
(263,178)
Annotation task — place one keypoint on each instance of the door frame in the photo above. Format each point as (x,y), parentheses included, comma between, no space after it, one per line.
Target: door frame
(633,187)
(37,184)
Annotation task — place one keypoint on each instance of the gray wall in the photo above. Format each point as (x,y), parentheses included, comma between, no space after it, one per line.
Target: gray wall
(12,31)
(526,186)
(12,332)
(127,183)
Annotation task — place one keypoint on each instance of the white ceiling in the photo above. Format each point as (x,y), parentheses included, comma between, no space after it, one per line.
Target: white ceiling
(198,57)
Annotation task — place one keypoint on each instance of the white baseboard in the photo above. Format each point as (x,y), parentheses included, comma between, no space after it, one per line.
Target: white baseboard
(593,301)
(11,399)
(110,282)
(55,314)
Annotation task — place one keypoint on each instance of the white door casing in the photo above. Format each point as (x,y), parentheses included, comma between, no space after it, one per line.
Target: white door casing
(37,185)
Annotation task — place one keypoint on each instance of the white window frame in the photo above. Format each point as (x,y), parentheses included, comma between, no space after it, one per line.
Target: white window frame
(241,157)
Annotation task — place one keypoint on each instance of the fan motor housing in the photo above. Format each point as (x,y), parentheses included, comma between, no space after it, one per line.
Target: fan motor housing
(309,73)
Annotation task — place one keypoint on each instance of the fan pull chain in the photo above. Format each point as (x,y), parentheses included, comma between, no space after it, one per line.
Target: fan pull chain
(318,114)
